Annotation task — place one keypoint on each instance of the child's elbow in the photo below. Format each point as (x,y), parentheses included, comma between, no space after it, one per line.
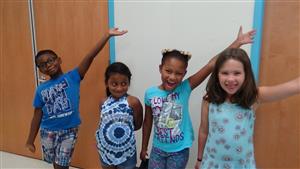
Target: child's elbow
(203,135)
(138,124)
(137,128)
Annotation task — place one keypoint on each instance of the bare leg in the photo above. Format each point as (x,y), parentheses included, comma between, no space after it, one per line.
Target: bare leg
(56,166)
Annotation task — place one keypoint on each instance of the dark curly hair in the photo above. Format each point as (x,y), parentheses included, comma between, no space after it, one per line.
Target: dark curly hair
(175,54)
(116,67)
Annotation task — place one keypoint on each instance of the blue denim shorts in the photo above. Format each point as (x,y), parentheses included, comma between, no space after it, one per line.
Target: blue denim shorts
(58,146)
(168,160)
(128,164)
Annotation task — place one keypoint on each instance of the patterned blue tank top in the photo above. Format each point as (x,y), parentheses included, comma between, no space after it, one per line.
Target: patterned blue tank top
(115,134)
(229,143)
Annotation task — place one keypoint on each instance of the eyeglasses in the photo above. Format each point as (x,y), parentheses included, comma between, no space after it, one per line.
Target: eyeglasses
(49,61)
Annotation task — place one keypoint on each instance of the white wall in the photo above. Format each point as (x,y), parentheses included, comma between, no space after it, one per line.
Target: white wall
(203,28)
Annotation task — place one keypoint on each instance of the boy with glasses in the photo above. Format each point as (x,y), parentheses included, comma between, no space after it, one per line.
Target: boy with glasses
(56,105)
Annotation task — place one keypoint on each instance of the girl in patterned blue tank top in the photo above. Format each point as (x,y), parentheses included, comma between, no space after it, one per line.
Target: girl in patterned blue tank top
(120,115)
(225,137)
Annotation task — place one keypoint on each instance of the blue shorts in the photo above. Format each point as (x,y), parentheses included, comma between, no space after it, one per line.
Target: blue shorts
(128,164)
(168,160)
(58,146)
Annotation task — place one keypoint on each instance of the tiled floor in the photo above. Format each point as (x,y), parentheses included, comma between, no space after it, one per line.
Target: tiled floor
(8,160)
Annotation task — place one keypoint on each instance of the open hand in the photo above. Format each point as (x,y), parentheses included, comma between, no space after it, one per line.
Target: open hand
(143,155)
(245,38)
(116,32)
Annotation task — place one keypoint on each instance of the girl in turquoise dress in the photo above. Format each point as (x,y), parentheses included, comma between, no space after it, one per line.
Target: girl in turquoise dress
(225,139)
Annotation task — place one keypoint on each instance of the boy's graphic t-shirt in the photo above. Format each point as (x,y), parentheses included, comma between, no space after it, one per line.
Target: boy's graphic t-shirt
(59,100)
(173,129)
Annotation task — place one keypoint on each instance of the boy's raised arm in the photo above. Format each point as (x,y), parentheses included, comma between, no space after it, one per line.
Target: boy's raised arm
(88,59)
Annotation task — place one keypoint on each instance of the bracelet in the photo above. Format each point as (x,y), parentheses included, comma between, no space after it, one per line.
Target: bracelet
(199,159)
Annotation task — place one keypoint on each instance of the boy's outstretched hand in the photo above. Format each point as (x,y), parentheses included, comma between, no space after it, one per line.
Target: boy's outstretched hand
(30,147)
(245,38)
(88,59)
(116,32)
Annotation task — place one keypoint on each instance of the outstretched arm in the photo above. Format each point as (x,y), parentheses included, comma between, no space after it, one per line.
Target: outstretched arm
(202,133)
(242,39)
(147,127)
(88,59)
(280,91)
(35,125)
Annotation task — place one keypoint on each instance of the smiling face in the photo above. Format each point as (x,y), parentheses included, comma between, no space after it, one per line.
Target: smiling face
(231,76)
(232,79)
(49,64)
(172,71)
(117,85)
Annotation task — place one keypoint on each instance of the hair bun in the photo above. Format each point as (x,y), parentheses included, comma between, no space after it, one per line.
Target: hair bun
(185,53)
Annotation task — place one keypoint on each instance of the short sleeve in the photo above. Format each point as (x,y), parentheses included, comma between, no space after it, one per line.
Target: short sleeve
(37,101)
(186,86)
(74,75)
(146,98)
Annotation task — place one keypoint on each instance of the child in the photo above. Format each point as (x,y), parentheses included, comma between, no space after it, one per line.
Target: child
(167,106)
(120,115)
(56,104)
(227,116)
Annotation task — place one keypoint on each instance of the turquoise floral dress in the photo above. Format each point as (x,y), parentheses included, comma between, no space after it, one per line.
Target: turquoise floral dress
(229,143)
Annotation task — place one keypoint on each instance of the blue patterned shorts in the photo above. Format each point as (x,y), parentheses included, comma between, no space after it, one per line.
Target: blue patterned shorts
(58,146)
(168,160)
